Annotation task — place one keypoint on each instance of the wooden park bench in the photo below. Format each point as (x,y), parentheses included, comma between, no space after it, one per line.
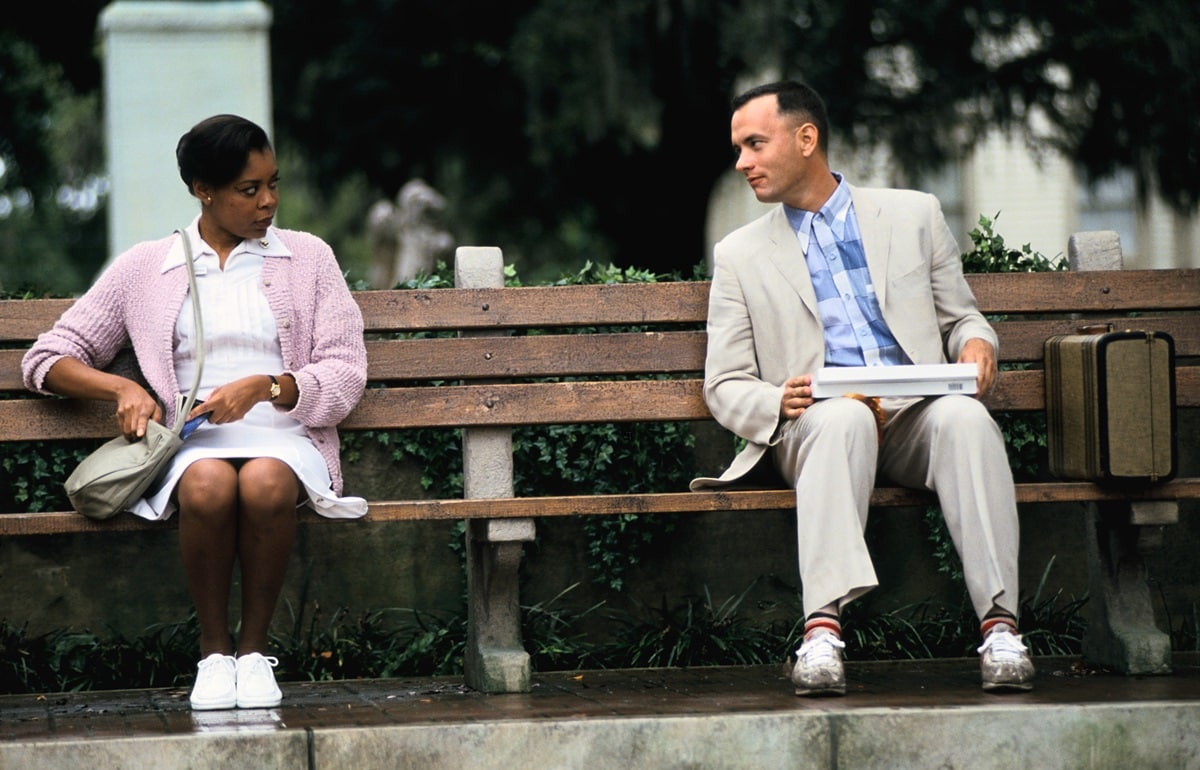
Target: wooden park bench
(473,368)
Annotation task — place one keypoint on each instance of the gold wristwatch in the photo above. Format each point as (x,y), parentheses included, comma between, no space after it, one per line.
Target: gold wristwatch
(275,389)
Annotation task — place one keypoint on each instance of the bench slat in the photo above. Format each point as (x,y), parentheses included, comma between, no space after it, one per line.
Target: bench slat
(505,404)
(59,522)
(557,355)
(740,500)
(535,306)
(22,320)
(670,352)
(1102,291)
(1022,341)
(685,302)
(530,404)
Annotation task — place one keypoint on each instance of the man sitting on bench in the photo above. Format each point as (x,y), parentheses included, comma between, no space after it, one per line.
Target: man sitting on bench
(846,276)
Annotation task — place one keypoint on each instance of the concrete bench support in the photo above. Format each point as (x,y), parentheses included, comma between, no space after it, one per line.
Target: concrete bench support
(1121,632)
(496,660)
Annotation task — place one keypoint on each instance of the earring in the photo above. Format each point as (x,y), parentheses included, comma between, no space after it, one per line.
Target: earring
(208,199)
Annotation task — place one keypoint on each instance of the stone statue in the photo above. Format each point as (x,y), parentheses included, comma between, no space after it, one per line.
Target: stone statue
(407,237)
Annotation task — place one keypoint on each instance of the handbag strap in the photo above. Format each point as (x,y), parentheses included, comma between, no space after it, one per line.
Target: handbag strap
(181,415)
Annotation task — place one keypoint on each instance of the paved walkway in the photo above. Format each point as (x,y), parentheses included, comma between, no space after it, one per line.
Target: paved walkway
(911,714)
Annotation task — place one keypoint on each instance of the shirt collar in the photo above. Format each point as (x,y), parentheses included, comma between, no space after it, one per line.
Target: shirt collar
(270,245)
(835,211)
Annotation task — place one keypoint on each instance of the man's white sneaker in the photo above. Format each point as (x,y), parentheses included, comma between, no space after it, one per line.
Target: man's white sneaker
(1005,662)
(256,687)
(819,669)
(215,686)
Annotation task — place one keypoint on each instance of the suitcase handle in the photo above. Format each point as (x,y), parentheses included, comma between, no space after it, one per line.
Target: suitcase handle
(1096,328)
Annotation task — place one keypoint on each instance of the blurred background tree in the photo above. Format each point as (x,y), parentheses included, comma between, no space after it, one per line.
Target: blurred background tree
(52,229)
(565,131)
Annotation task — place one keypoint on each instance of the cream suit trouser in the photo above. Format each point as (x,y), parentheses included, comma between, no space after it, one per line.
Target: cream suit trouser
(949,445)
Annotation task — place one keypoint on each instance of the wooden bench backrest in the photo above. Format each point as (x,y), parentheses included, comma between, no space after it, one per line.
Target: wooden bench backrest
(497,348)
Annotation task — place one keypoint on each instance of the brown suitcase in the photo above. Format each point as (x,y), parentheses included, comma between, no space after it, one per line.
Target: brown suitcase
(1110,406)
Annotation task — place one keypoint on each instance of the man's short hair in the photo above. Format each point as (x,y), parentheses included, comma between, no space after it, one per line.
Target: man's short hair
(794,99)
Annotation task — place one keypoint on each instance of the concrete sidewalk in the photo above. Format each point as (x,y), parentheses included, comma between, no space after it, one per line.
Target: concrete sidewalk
(917,714)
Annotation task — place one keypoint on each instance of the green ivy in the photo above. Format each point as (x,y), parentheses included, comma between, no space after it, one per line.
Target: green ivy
(34,472)
(989,253)
(548,460)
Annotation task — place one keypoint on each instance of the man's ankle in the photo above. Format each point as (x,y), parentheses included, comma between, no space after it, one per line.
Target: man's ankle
(996,622)
(822,623)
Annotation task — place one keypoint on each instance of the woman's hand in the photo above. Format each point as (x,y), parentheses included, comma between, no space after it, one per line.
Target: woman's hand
(135,408)
(231,401)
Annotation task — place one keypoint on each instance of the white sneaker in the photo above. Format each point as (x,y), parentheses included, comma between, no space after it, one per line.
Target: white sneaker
(215,686)
(1005,662)
(819,669)
(256,687)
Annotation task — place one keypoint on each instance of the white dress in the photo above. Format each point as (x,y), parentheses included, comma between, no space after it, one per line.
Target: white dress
(240,339)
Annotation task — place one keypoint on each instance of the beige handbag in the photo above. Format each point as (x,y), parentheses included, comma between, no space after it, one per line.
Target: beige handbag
(115,476)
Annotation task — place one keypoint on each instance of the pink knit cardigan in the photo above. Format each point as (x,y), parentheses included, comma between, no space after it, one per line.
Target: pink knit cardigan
(135,301)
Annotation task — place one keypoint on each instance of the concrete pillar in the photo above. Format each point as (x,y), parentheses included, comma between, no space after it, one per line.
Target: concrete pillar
(167,66)
(1121,632)
(495,659)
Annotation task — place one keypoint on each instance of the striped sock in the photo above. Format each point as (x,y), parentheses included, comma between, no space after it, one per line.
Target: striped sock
(991,621)
(822,621)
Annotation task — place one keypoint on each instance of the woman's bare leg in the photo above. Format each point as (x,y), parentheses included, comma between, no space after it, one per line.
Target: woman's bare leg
(208,505)
(267,493)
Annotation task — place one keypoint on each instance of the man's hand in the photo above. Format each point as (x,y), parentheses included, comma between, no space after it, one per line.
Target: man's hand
(797,396)
(980,352)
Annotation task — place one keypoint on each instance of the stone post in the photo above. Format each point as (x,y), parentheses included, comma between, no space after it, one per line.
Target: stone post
(496,660)
(1121,632)
(167,66)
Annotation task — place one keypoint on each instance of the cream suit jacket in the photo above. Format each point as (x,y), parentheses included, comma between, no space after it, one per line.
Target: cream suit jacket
(763,325)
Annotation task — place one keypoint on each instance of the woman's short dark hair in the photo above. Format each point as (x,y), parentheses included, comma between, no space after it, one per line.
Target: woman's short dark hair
(795,99)
(214,151)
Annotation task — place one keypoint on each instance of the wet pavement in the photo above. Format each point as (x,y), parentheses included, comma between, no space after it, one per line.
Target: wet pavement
(582,695)
(561,697)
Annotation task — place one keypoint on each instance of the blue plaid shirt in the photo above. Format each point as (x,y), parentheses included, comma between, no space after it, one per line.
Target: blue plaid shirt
(855,332)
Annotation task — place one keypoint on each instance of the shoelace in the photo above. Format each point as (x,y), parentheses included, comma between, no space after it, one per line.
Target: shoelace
(821,649)
(1004,645)
(256,661)
(210,661)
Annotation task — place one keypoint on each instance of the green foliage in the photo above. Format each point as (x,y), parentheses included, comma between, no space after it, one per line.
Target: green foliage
(698,632)
(1051,623)
(584,102)
(378,643)
(989,253)
(51,162)
(1186,635)
(554,637)
(548,460)
(1024,434)
(34,472)
(607,459)
(64,660)
(584,98)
